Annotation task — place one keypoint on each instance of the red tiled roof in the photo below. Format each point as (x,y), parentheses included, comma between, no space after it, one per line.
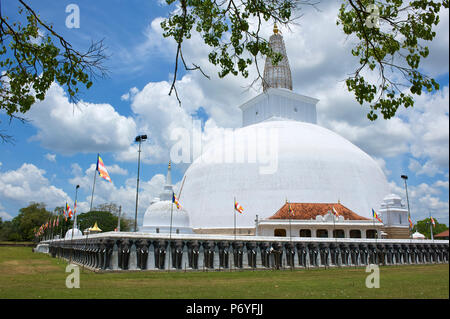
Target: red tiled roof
(307,211)
(443,234)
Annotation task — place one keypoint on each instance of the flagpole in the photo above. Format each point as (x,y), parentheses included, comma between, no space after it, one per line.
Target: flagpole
(431,226)
(376,230)
(234,212)
(290,228)
(334,226)
(93,187)
(170,230)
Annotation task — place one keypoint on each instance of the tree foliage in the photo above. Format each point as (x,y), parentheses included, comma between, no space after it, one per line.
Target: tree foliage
(391,33)
(423,227)
(392,38)
(224,26)
(106,221)
(33,56)
(23,226)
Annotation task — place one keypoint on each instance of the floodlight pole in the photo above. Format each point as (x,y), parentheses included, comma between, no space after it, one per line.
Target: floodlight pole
(74,209)
(74,218)
(404,177)
(139,139)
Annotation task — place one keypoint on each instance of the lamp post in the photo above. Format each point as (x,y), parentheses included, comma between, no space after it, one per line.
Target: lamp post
(138,139)
(74,219)
(75,209)
(404,177)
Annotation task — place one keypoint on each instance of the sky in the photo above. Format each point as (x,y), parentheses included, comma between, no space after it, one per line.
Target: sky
(57,149)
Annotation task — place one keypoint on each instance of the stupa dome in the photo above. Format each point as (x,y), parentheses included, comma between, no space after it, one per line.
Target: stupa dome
(157,217)
(280,154)
(312,165)
(76,233)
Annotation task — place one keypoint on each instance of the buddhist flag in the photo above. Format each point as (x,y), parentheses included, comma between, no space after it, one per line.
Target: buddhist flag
(69,212)
(57,221)
(175,201)
(335,213)
(291,211)
(410,223)
(102,169)
(432,221)
(238,207)
(375,215)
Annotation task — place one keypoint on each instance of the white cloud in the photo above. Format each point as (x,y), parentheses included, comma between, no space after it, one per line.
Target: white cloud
(424,199)
(443,184)
(84,127)
(29,184)
(76,169)
(5,216)
(428,168)
(51,157)
(123,195)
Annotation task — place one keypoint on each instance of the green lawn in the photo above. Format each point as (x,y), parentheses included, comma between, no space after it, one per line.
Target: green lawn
(24,274)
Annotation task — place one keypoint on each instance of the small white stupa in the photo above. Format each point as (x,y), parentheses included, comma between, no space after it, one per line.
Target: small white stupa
(76,232)
(418,235)
(157,218)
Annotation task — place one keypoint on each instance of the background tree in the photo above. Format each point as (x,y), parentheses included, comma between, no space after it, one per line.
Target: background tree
(33,56)
(23,226)
(423,227)
(108,207)
(106,221)
(8,232)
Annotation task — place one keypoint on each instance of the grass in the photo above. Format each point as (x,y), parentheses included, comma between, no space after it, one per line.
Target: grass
(24,274)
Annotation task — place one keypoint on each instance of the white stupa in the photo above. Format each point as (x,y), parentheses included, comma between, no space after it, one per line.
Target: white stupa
(279,154)
(73,232)
(158,214)
(393,212)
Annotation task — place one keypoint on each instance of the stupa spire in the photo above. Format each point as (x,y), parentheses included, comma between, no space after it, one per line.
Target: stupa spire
(169,176)
(168,187)
(277,76)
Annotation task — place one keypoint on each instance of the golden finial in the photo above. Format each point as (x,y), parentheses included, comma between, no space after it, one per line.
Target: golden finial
(95,228)
(275,28)
(339,201)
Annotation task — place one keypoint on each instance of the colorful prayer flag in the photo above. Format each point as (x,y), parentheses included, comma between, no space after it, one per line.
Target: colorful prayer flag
(175,201)
(69,212)
(375,215)
(291,211)
(102,169)
(410,223)
(335,213)
(238,207)
(432,221)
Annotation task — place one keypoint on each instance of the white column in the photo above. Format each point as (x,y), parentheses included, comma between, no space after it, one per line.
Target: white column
(347,232)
